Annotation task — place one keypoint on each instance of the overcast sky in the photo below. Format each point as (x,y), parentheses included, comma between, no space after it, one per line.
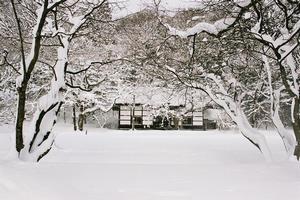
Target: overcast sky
(132,6)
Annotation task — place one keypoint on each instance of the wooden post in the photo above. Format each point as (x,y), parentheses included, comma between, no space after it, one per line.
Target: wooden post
(65,119)
(81,118)
(74,117)
(133,116)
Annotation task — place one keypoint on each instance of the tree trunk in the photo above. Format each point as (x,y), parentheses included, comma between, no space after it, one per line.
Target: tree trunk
(81,118)
(74,118)
(20,117)
(253,135)
(235,112)
(40,138)
(296,125)
(65,119)
(27,67)
(287,137)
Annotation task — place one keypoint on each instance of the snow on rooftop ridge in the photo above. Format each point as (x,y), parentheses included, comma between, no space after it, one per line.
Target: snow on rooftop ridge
(154,96)
(123,8)
(149,96)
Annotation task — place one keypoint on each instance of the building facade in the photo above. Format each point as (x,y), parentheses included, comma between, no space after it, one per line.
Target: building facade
(139,116)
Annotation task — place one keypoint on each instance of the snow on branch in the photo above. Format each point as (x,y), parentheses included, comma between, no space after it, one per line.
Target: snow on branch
(215,28)
(54,4)
(280,41)
(79,21)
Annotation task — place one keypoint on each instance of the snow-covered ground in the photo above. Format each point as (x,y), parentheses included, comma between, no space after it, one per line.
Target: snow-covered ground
(150,165)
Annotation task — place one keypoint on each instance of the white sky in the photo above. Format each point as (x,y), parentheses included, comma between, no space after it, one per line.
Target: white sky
(132,6)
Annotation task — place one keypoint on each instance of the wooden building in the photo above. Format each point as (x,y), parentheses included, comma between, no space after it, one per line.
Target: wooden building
(141,117)
(159,108)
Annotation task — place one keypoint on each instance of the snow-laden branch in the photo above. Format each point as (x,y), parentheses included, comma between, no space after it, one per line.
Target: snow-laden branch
(53,4)
(282,45)
(294,73)
(79,21)
(215,89)
(40,137)
(278,42)
(215,28)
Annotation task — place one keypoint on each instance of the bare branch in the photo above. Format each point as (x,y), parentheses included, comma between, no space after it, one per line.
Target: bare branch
(78,87)
(6,62)
(20,36)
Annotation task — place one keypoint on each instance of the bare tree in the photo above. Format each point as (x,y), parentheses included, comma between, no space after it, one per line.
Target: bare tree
(57,22)
(275,28)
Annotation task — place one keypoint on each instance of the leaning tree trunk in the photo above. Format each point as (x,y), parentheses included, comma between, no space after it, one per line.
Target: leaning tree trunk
(235,112)
(287,137)
(252,134)
(41,137)
(296,125)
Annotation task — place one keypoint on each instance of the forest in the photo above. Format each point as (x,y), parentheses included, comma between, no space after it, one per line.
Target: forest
(80,58)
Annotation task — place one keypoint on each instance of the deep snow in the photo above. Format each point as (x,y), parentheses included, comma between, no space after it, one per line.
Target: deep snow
(150,165)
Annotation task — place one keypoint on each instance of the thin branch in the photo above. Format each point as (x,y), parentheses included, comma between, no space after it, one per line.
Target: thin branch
(20,36)
(55,5)
(5,62)
(86,16)
(80,71)
(51,67)
(91,85)
(78,87)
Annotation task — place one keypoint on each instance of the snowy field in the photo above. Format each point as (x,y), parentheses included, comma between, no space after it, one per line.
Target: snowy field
(150,165)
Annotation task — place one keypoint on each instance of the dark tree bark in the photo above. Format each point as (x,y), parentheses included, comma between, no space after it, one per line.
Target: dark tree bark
(65,119)
(296,126)
(26,73)
(81,118)
(20,118)
(47,110)
(74,118)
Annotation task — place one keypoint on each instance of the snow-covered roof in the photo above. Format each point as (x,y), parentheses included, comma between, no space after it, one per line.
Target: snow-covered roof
(154,96)
(211,114)
(129,7)
(158,96)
